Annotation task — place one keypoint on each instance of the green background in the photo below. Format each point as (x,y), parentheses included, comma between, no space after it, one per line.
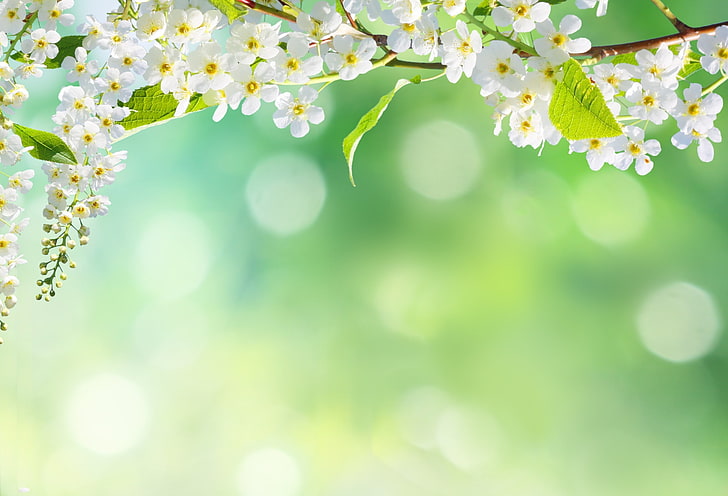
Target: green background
(466,321)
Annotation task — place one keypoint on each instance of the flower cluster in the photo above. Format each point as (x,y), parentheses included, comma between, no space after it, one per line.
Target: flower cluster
(241,54)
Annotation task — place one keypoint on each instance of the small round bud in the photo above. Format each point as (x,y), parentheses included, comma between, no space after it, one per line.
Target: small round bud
(61,249)
(59,284)
(38,297)
(72,264)
(71,244)
(45,242)
(10,301)
(47,298)
(4,312)
(63,276)
(83,240)
(45,251)
(54,257)
(43,271)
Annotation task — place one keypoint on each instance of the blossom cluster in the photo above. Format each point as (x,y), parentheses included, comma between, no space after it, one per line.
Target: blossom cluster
(237,55)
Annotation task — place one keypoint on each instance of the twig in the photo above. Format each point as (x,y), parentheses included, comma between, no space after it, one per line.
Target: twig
(679,25)
(597,53)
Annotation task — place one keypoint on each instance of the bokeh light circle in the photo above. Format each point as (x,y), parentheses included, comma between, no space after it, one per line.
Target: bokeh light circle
(679,322)
(269,472)
(285,194)
(611,207)
(173,255)
(440,160)
(107,414)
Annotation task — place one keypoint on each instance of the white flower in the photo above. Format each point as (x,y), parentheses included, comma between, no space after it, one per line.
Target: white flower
(41,44)
(211,67)
(12,16)
(454,8)
(498,68)
(165,66)
(652,101)
(321,23)
(599,151)
(8,245)
(115,85)
(22,180)
(557,45)
(250,41)
(588,4)
(254,87)
(347,61)
(108,116)
(523,14)
(87,136)
(526,129)
(427,35)
(403,11)
(697,113)
(151,26)
(636,149)
(682,140)
(297,112)
(293,66)
(612,79)
(186,26)
(76,102)
(662,66)
(129,57)
(97,205)
(715,48)
(11,147)
(79,68)
(8,209)
(52,12)
(94,31)
(460,49)
(104,168)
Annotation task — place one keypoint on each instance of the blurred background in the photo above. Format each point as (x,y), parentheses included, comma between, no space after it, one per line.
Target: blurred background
(471,319)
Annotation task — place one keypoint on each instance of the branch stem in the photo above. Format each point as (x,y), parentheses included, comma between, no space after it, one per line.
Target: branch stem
(597,53)
(679,25)
(714,86)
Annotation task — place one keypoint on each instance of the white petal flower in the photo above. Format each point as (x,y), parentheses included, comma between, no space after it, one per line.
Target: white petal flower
(298,112)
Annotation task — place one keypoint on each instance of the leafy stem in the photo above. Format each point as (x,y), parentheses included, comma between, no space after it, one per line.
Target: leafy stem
(715,85)
(19,35)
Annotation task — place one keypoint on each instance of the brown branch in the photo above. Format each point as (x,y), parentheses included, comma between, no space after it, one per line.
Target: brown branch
(679,25)
(597,53)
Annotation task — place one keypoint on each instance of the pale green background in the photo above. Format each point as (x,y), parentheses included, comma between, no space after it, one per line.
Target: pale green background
(485,343)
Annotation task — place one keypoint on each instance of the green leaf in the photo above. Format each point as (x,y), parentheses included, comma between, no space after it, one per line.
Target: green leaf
(368,121)
(691,63)
(578,108)
(149,106)
(230,8)
(625,58)
(46,146)
(66,48)
(483,8)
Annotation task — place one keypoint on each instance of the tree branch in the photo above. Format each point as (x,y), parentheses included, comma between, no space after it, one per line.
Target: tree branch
(597,53)
(679,25)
